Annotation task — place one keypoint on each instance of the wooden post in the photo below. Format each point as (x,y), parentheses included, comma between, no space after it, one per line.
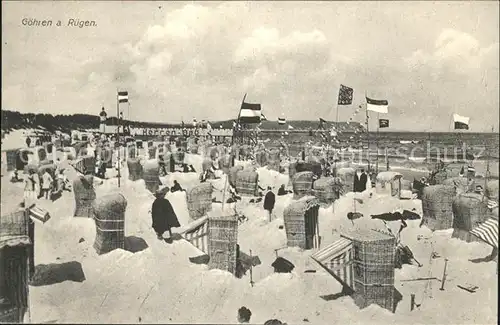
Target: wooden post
(412,302)
(444,275)
(251,269)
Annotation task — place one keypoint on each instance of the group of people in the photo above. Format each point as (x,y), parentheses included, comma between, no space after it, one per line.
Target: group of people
(36,186)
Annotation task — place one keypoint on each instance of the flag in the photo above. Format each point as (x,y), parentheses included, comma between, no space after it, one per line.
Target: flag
(234,124)
(281,120)
(322,120)
(383,123)
(263,117)
(123,97)
(461,122)
(487,231)
(379,106)
(290,127)
(345,95)
(250,113)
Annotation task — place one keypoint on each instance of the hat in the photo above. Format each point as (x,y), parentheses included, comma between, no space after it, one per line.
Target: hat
(161,192)
(479,188)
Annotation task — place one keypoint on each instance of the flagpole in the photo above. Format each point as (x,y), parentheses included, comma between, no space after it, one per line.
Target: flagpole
(378,128)
(118,134)
(367,132)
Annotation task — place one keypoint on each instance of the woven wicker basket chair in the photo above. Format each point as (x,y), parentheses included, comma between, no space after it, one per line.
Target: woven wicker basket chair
(247,182)
(491,190)
(151,175)
(225,163)
(389,183)
(346,174)
(106,155)
(223,243)
(301,223)
(233,172)
(199,200)
(327,190)
(131,151)
(437,206)
(83,189)
(135,170)
(469,210)
(109,216)
(213,152)
(461,184)
(274,160)
(450,170)
(152,152)
(302,183)
(262,157)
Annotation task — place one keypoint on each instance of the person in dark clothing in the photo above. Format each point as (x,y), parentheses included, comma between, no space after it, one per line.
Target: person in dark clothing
(303,155)
(269,201)
(176,187)
(163,214)
(172,164)
(281,190)
(191,169)
(362,181)
(28,142)
(356,183)
(185,168)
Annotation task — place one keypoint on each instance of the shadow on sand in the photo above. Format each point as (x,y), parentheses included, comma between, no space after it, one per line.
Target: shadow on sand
(397,297)
(48,274)
(135,244)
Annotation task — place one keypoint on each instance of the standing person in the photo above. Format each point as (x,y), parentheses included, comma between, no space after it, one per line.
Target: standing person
(164,217)
(28,142)
(161,163)
(269,201)
(356,182)
(363,179)
(47,181)
(30,190)
(172,163)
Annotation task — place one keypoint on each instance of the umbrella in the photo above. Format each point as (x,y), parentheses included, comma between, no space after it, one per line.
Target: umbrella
(354,215)
(397,216)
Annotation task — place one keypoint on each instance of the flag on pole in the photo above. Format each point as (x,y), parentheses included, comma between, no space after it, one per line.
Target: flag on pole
(345,95)
(250,113)
(375,105)
(290,127)
(281,120)
(263,117)
(487,231)
(383,123)
(123,97)
(461,122)
(322,120)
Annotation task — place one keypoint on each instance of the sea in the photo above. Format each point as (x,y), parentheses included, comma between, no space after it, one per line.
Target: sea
(419,150)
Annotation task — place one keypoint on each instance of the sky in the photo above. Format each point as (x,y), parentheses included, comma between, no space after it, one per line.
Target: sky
(180,60)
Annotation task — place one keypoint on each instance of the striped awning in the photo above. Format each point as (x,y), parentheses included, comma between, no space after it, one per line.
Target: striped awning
(13,241)
(336,258)
(487,231)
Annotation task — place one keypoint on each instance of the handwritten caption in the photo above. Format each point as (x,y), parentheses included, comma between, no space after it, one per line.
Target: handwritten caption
(72,22)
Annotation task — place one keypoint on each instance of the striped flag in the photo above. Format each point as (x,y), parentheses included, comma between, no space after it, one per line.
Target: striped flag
(250,113)
(337,260)
(281,121)
(290,127)
(123,97)
(460,122)
(345,95)
(379,106)
(488,232)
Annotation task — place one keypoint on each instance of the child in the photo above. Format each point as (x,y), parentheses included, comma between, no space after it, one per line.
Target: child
(47,181)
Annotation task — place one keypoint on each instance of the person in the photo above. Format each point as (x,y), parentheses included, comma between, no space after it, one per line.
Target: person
(176,187)
(191,169)
(30,187)
(161,164)
(185,168)
(281,190)
(47,181)
(269,201)
(62,179)
(356,183)
(244,315)
(163,215)
(172,163)
(28,141)
(363,179)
